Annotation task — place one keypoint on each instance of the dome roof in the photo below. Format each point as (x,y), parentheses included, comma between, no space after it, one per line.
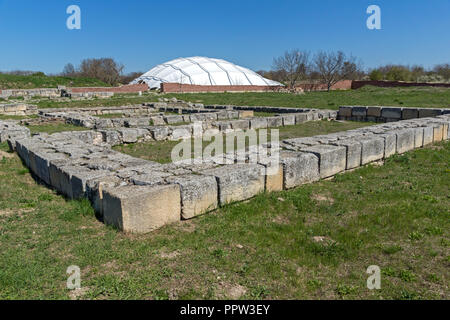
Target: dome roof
(202,71)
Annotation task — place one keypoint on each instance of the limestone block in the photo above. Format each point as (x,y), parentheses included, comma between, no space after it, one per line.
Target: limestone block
(374,112)
(199,194)
(410,113)
(345,111)
(300,118)
(299,168)
(353,152)
(418,137)
(405,140)
(159,133)
(426,112)
(173,119)
(438,132)
(79,177)
(274,122)
(390,143)
(245,114)
(372,149)
(332,159)
(288,119)
(240,124)
(128,135)
(359,112)
(181,132)
(258,123)
(391,113)
(141,209)
(428,134)
(238,182)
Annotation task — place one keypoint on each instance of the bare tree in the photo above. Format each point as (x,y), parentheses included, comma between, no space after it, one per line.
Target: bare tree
(335,66)
(294,65)
(105,69)
(69,70)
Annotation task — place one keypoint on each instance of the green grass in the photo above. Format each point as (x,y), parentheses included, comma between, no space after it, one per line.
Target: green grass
(9,81)
(423,97)
(17,117)
(54,127)
(263,248)
(160,151)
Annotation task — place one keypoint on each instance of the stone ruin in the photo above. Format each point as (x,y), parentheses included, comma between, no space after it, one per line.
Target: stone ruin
(137,195)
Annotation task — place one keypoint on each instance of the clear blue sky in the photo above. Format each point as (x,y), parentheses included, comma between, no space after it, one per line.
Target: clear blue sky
(141,34)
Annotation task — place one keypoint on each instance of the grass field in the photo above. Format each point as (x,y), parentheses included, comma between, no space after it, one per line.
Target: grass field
(314,242)
(160,151)
(424,97)
(10,81)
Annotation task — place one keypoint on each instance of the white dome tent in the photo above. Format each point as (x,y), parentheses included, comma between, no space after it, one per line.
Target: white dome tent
(202,71)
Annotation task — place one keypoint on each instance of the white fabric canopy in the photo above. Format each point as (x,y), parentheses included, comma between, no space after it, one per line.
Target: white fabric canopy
(202,71)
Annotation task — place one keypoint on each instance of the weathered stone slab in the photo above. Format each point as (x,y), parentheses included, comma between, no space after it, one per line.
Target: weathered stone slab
(345,111)
(405,140)
(391,113)
(332,159)
(353,152)
(390,143)
(425,112)
(238,182)
(359,111)
(374,112)
(288,119)
(273,122)
(418,137)
(410,113)
(372,149)
(300,118)
(199,194)
(428,134)
(141,209)
(258,123)
(299,168)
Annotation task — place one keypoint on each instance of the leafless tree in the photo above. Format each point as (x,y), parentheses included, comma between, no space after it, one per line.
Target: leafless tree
(335,66)
(105,69)
(69,70)
(294,65)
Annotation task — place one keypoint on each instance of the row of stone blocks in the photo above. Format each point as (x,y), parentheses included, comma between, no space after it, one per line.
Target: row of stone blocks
(140,196)
(18,109)
(386,114)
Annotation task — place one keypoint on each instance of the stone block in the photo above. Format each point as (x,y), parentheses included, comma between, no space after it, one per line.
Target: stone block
(372,149)
(393,114)
(128,135)
(332,159)
(438,132)
(240,124)
(374,112)
(418,137)
(359,112)
(300,118)
(258,123)
(353,152)
(238,182)
(199,194)
(141,209)
(299,168)
(273,122)
(245,114)
(405,140)
(390,143)
(159,133)
(428,134)
(410,113)
(288,119)
(345,111)
(425,112)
